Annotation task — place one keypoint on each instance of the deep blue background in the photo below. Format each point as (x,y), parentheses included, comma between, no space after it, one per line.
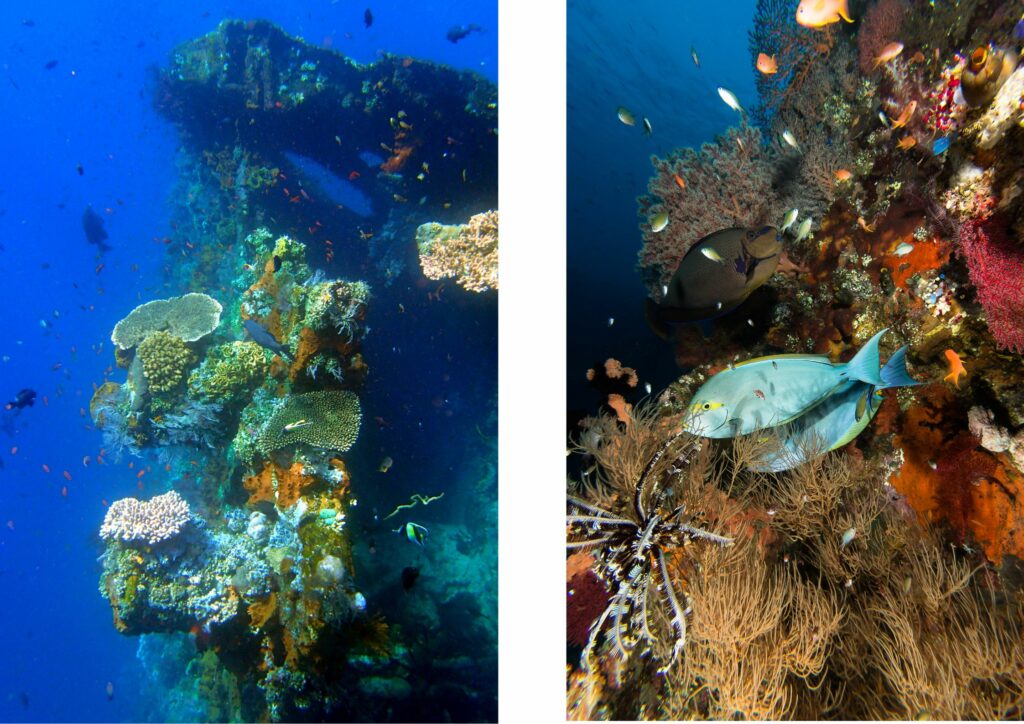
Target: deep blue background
(635,54)
(58,642)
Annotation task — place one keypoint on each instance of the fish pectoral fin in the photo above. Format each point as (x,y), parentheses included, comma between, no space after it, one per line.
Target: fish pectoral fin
(862,406)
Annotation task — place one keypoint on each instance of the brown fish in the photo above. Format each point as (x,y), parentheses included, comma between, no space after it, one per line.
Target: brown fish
(717,274)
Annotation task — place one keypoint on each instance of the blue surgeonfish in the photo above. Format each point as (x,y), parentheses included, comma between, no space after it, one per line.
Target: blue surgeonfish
(770,391)
(839,418)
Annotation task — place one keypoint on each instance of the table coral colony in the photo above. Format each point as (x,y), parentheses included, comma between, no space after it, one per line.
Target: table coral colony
(889,154)
(247,387)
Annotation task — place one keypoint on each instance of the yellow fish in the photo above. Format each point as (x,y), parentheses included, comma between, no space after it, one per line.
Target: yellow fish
(819,13)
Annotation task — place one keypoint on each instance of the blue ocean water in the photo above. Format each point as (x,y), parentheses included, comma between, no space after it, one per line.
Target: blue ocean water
(635,55)
(80,128)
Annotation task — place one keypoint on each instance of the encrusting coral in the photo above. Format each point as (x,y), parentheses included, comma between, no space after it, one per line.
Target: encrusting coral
(229,371)
(468,252)
(325,419)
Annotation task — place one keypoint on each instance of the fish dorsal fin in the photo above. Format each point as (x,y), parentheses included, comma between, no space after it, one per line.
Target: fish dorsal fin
(806,357)
(864,365)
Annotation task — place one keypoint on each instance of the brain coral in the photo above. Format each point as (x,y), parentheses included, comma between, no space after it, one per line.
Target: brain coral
(165,360)
(189,317)
(329,419)
(229,370)
(468,252)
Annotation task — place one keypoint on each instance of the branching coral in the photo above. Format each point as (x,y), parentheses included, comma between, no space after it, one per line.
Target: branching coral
(165,361)
(728,183)
(468,252)
(150,521)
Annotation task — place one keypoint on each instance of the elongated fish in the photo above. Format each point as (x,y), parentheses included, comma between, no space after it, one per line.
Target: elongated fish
(771,391)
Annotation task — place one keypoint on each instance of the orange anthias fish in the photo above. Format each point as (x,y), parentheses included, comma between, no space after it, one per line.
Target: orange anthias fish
(819,13)
(887,53)
(679,181)
(906,115)
(906,143)
(843,175)
(956,368)
(766,64)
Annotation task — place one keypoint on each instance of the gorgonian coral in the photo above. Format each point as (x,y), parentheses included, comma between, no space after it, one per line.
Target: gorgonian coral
(881,26)
(996,266)
(727,183)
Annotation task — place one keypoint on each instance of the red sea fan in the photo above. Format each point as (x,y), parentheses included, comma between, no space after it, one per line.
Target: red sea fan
(996,266)
(881,26)
(726,183)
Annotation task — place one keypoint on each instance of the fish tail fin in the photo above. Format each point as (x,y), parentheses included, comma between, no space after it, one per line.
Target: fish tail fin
(844,11)
(652,312)
(864,365)
(895,374)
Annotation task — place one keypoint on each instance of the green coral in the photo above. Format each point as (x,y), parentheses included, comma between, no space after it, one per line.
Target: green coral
(229,371)
(189,318)
(165,360)
(326,419)
(261,177)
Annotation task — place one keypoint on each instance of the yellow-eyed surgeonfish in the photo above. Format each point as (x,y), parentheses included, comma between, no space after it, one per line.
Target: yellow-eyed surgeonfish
(626,116)
(717,274)
(659,222)
(771,391)
(840,418)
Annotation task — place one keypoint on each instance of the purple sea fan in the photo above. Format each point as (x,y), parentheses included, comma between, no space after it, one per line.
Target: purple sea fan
(776,34)
(727,183)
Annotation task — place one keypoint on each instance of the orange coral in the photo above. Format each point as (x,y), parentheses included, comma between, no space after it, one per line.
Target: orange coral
(261,611)
(399,156)
(614,370)
(618,403)
(275,484)
(578,562)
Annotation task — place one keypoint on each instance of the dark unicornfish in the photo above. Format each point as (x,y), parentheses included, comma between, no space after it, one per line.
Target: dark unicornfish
(458,32)
(717,274)
(94,231)
(368,17)
(265,339)
(24,398)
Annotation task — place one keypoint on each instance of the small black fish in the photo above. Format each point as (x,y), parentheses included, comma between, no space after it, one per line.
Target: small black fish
(277,263)
(50,65)
(24,398)
(261,336)
(94,231)
(409,576)
(81,169)
(368,17)
(458,32)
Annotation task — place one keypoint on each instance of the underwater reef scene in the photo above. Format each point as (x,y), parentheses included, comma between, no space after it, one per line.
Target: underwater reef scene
(262,580)
(778,534)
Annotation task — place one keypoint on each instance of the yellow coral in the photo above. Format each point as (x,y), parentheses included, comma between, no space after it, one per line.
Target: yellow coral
(165,360)
(469,252)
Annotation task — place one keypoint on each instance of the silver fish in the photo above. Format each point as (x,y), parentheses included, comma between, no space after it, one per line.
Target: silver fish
(848,536)
(712,254)
(647,127)
(789,138)
(296,425)
(804,229)
(730,99)
(903,249)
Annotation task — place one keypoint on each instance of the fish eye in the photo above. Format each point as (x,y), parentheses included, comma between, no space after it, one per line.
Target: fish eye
(707,406)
